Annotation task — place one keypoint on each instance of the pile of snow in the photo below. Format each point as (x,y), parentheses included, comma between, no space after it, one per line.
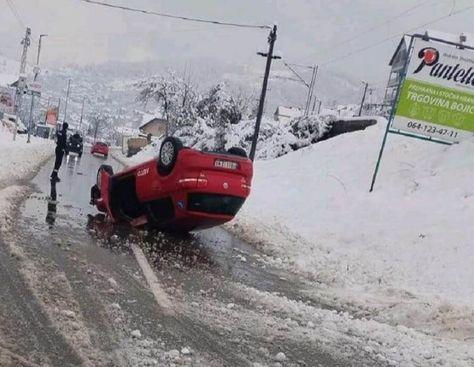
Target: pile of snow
(18,161)
(404,251)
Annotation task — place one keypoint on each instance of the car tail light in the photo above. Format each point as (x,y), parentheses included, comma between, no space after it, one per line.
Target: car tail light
(192,182)
(188,183)
(244,184)
(202,180)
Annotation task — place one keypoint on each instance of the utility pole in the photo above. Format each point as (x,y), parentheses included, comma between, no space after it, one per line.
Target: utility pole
(311,90)
(269,55)
(39,48)
(20,88)
(363,97)
(82,112)
(30,121)
(96,127)
(314,104)
(67,98)
(310,86)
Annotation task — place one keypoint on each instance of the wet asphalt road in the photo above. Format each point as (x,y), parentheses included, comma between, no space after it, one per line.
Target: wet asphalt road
(81,293)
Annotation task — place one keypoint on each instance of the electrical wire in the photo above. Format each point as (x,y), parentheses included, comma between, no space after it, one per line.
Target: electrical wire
(373,28)
(396,35)
(295,73)
(172,16)
(15,13)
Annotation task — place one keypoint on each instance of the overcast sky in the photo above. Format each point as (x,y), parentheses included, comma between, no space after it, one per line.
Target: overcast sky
(308,29)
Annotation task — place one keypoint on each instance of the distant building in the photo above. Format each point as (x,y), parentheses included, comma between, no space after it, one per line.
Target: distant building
(285,114)
(155,127)
(397,64)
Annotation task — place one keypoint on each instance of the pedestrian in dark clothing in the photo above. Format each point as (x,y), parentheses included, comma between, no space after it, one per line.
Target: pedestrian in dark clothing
(61,138)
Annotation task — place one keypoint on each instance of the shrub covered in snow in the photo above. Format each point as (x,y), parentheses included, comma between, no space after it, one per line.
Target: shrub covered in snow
(278,138)
(217,119)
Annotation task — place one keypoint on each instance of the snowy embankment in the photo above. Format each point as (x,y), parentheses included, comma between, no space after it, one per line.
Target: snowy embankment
(149,152)
(18,161)
(403,254)
(395,263)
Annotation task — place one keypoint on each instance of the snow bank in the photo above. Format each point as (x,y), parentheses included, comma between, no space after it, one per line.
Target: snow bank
(406,249)
(18,161)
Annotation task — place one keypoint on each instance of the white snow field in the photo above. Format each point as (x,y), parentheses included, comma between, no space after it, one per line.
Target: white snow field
(18,161)
(396,263)
(402,254)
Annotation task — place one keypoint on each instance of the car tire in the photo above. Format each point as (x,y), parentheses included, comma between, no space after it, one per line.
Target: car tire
(169,151)
(80,154)
(238,152)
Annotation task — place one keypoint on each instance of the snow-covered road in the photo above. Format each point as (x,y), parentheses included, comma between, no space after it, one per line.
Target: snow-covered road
(91,291)
(235,303)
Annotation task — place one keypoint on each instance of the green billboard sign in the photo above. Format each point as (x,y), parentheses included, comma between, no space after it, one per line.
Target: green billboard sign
(437,96)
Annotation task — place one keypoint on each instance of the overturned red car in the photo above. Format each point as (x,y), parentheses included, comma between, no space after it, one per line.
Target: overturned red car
(183,189)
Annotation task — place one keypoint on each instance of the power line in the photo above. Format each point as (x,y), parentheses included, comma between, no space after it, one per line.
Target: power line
(15,13)
(397,35)
(295,73)
(373,28)
(172,16)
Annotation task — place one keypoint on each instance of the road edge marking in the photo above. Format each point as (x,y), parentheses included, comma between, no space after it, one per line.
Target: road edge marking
(158,292)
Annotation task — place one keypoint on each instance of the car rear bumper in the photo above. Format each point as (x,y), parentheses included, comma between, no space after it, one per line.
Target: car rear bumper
(191,210)
(74,149)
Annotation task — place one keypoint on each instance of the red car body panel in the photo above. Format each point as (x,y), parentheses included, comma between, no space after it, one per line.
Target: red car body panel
(100,148)
(203,193)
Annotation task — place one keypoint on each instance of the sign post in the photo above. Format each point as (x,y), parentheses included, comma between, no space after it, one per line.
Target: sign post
(34,89)
(435,98)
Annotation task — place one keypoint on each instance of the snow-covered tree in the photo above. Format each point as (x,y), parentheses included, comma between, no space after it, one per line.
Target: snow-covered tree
(309,129)
(174,95)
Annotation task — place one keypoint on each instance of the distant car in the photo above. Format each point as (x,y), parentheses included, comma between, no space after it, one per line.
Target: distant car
(10,121)
(100,148)
(44,131)
(183,189)
(74,144)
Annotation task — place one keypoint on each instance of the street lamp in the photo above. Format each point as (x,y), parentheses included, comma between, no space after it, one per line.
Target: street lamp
(39,48)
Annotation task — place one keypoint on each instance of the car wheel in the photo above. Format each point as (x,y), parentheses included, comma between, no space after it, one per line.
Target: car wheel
(80,154)
(168,154)
(237,151)
(106,168)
